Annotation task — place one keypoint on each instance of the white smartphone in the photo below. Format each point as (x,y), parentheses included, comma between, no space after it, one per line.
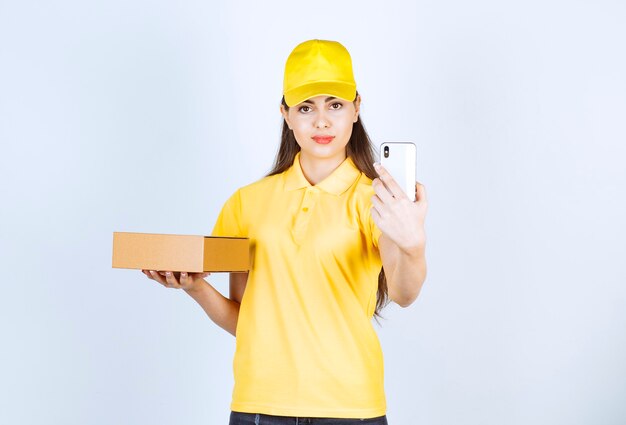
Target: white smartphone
(400,160)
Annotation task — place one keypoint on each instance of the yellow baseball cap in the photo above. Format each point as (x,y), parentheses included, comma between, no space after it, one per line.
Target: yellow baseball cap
(317,67)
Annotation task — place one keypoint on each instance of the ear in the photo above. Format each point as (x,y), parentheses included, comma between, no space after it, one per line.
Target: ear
(285,115)
(357,108)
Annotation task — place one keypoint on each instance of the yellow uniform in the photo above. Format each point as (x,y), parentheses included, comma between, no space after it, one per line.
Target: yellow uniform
(306,345)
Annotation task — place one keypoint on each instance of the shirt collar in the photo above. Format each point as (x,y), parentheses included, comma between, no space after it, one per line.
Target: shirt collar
(336,183)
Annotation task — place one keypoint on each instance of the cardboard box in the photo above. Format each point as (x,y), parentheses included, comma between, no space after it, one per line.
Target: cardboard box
(182,253)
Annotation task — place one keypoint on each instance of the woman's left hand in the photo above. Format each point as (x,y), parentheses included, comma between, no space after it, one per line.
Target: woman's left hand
(397,216)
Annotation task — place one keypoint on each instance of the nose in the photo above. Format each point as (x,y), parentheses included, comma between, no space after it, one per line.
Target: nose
(321,121)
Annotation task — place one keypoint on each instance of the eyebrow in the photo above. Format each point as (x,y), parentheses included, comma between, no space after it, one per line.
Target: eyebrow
(328,99)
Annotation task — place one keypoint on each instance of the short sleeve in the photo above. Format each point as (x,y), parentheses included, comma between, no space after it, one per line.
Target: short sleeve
(229,220)
(370,225)
(375,232)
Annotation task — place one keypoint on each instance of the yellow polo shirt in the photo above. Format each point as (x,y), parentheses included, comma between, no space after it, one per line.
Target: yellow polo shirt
(305,344)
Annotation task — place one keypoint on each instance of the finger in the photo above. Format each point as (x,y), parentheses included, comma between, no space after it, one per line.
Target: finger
(171,279)
(152,274)
(157,276)
(375,215)
(383,193)
(198,275)
(377,204)
(391,184)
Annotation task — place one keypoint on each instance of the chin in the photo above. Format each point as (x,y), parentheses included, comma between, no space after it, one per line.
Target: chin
(322,151)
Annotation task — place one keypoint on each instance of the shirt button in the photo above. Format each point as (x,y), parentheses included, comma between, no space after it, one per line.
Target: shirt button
(305,209)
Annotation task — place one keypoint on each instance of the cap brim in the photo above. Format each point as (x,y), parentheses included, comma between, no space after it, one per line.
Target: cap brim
(340,89)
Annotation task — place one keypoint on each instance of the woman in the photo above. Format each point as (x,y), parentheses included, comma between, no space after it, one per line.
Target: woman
(326,234)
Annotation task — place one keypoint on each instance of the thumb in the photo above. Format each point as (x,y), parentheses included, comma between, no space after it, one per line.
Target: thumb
(420,192)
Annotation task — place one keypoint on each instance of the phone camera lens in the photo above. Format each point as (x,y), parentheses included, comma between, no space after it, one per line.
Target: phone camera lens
(386,151)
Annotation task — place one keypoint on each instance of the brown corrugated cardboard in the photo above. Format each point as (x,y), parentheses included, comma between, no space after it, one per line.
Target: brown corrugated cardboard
(186,253)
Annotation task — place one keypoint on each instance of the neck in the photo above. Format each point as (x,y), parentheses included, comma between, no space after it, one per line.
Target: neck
(316,169)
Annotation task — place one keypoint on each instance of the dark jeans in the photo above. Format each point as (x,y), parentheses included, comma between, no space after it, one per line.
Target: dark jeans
(242,418)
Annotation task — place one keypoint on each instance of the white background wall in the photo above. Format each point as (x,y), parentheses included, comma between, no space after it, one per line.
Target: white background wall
(145,116)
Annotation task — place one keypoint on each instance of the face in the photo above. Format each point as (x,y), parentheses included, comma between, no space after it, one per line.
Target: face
(322,116)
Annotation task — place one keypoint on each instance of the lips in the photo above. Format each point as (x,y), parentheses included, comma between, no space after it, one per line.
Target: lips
(323,139)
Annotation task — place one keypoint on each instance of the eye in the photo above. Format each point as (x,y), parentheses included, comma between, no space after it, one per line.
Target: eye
(336,103)
(300,108)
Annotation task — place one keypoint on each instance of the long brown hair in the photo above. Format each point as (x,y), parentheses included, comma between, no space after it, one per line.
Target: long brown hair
(362,152)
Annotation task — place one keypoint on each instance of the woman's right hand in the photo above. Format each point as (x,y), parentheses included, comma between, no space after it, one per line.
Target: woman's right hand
(187,281)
